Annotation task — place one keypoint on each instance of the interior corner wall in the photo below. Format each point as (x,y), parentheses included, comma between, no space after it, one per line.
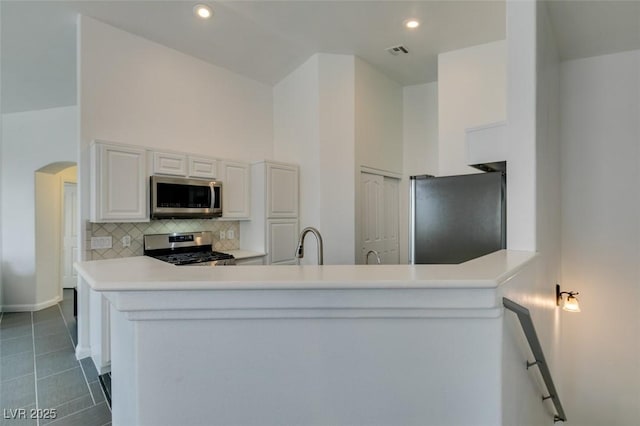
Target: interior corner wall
(314,127)
(297,139)
(548,201)
(30,141)
(337,118)
(521,124)
(472,85)
(600,107)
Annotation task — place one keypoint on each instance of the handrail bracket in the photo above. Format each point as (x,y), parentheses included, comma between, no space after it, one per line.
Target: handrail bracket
(531,364)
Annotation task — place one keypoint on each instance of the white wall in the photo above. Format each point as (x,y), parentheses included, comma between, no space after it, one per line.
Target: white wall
(533,203)
(30,141)
(471,92)
(420,129)
(600,107)
(378,119)
(521,124)
(138,92)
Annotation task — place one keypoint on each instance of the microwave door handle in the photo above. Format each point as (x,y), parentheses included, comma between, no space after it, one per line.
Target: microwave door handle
(213,197)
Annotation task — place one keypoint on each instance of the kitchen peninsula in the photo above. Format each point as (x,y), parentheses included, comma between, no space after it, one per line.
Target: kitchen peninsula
(308,345)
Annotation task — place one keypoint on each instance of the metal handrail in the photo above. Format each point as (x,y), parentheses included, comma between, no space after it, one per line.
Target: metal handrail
(530,332)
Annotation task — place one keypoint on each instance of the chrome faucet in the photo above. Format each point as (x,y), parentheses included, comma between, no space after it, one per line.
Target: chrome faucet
(377,257)
(300,249)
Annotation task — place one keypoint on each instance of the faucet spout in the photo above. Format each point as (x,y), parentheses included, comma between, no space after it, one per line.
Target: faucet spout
(303,234)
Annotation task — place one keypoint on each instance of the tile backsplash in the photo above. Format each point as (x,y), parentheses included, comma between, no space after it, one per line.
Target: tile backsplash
(136,231)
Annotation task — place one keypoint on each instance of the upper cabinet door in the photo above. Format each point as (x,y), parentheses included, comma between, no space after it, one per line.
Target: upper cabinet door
(202,167)
(118,184)
(236,190)
(169,163)
(282,191)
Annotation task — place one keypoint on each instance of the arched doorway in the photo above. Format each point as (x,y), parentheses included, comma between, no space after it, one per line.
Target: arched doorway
(55,229)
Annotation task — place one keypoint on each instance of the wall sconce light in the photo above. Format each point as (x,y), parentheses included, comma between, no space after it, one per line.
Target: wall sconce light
(570,303)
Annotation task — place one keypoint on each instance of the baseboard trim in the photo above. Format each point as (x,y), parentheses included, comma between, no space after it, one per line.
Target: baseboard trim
(83,352)
(32,307)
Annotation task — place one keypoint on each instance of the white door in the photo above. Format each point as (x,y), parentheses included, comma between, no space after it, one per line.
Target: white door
(69,235)
(391,221)
(379,219)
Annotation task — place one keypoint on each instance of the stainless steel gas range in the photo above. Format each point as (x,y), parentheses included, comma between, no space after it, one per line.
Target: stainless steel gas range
(186,248)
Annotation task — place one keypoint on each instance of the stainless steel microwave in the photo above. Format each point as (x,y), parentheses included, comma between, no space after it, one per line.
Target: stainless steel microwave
(175,197)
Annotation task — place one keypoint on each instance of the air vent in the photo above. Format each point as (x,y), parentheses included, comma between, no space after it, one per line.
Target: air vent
(397,50)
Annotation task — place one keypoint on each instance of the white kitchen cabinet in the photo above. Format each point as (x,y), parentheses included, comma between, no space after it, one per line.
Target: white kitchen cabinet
(100,331)
(282,241)
(119,183)
(282,190)
(182,164)
(236,190)
(273,227)
(202,167)
(169,163)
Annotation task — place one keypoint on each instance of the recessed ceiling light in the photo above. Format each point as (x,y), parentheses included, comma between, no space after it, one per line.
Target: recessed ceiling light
(412,23)
(202,11)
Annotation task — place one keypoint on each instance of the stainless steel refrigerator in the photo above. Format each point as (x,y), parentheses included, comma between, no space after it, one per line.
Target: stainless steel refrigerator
(456,218)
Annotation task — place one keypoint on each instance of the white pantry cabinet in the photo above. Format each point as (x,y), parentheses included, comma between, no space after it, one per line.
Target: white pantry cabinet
(282,190)
(119,183)
(236,190)
(273,227)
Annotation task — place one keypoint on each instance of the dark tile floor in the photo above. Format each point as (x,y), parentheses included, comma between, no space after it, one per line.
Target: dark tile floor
(39,370)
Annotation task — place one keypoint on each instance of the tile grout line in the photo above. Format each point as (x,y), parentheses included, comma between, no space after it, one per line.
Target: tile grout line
(76,412)
(35,368)
(57,372)
(80,363)
(70,414)
(16,378)
(69,402)
(54,351)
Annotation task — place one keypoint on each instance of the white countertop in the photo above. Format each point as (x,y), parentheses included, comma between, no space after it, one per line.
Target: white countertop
(147,274)
(244,254)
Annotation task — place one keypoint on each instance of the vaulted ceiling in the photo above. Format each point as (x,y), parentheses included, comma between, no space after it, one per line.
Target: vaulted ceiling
(266,40)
